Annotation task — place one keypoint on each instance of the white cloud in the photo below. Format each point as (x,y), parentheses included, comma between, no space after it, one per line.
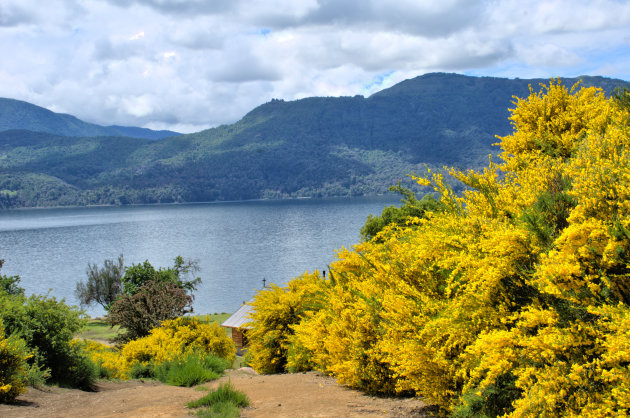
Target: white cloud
(137,36)
(201,33)
(242,61)
(137,106)
(191,64)
(547,55)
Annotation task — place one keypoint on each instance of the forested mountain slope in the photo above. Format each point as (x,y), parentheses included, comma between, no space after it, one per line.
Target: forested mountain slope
(319,146)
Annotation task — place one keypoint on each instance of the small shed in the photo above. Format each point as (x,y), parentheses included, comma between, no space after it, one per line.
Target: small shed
(237,322)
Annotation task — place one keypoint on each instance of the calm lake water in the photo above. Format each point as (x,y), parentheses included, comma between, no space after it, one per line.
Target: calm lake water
(237,244)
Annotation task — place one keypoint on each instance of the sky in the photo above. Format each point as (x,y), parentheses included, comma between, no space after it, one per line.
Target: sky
(188,65)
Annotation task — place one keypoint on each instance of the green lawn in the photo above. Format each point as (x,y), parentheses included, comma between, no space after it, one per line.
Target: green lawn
(215,317)
(100,330)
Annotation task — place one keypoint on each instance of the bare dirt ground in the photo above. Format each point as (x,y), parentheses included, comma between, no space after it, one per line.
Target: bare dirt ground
(287,395)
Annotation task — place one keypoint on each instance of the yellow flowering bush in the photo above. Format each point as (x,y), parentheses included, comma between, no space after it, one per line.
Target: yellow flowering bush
(13,366)
(176,337)
(513,299)
(173,339)
(276,310)
(108,359)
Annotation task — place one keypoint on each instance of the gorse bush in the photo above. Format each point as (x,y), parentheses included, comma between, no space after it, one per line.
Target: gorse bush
(177,336)
(276,311)
(110,363)
(512,299)
(177,352)
(13,366)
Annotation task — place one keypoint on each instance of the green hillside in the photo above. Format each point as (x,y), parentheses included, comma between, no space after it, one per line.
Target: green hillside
(312,147)
(16,114)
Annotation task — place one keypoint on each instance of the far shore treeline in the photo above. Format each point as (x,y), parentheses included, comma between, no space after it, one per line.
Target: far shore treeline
(314,147)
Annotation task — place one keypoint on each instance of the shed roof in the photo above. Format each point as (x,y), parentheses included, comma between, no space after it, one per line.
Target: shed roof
(238,318)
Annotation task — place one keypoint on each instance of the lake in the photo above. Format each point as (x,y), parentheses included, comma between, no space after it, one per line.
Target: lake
(237,244)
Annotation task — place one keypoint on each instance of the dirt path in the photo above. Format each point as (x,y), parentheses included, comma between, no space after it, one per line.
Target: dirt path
(287,395)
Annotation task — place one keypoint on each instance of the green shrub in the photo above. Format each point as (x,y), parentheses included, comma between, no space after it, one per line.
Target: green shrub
(190,369)
(400,215)
(142,371)
(36,377)
(246,360)
(48,326)
(224,401)
(216,363)
(220,410)
(80,371)
(492,401)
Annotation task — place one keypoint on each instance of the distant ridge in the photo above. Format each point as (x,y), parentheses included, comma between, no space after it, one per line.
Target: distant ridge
(313,147)
(17,114)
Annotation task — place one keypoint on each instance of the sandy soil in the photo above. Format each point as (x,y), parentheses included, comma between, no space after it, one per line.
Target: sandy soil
(288,395)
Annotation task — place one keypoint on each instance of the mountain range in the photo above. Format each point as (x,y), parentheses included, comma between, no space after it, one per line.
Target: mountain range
(313,147)
(16,114)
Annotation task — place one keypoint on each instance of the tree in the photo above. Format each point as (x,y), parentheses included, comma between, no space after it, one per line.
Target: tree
(622,97)
(184,270)
(104,284)
(150,296)
(412,207)
(153,303)
(9,284)
(138,275)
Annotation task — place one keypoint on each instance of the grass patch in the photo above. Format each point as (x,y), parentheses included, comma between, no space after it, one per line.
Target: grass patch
(215,317)
(219,318)
(100,330)
(225,401)
(239,361)
(142,371)
(190,369)
(220,410)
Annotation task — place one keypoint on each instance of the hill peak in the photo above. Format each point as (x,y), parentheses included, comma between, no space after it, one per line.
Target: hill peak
(21,115)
